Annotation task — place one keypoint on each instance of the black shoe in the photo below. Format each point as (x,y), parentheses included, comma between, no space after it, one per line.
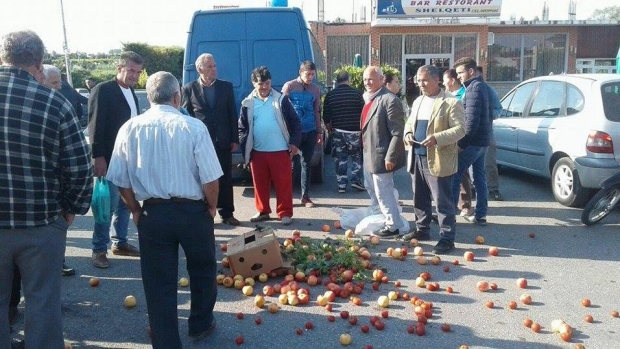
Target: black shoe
(434,218)
(231,221)
(416,234)
(66,271)
(358,185)
(495,195)
(385,232)
(443,246)
(482,221)
(206,333)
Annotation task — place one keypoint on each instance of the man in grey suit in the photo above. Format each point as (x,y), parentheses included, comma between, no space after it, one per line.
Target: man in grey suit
(383,123)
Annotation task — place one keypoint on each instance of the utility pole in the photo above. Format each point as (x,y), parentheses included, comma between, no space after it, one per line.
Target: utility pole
(65,46)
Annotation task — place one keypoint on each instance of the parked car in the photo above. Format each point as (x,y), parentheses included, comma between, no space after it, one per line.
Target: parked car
(562,127)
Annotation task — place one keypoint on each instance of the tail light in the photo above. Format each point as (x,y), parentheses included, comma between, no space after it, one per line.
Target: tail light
(600,142)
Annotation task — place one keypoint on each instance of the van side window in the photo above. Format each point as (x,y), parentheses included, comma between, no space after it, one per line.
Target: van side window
(549,99)
(574,100)
(514,104)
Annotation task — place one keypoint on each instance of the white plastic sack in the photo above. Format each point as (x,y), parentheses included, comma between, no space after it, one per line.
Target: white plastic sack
(376,222)
(350,218)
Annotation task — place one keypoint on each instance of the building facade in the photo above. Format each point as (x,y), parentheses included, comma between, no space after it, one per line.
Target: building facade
(509,51)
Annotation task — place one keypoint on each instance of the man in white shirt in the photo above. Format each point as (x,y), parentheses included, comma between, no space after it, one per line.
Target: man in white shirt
(167,160)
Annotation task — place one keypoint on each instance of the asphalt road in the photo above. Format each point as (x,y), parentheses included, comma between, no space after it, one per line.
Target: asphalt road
(564,263)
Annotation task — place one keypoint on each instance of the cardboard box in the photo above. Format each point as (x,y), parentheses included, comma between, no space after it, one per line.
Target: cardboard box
(254,253)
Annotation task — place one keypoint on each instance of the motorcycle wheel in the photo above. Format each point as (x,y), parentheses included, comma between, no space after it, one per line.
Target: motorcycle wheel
(600,206)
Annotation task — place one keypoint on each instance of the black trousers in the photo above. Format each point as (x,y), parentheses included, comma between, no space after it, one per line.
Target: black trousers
(161,229)
(225,200)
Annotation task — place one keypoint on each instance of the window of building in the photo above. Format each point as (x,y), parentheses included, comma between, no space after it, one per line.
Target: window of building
(391,50)
(428,43)
(342,49)
(599,65)
(465,46)
(517,57)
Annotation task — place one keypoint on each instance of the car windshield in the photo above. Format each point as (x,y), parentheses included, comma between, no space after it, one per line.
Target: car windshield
(611,100)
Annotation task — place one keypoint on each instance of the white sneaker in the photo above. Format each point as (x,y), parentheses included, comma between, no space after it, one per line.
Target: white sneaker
(286,220)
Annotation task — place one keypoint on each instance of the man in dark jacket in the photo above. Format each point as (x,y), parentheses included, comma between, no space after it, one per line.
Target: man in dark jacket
(76,99)
(111,104)
(212,100)
(478,127)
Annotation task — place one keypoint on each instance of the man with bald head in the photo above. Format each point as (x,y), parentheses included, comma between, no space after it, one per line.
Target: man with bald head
(212,101)
(383,123)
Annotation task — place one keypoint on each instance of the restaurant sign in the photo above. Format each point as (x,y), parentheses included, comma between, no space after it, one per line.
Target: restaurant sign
(438,8)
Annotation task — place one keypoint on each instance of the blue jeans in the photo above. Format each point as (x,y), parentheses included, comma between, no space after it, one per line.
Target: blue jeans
(161,229)
(120,222)
(306,148)
(473,156)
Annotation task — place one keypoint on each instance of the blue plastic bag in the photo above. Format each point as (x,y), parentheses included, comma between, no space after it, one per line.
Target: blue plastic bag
(101,201)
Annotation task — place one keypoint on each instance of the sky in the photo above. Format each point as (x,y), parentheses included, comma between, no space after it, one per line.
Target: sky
(94,26)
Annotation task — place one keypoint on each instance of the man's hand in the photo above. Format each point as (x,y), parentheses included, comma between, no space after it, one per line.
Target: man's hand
(212,211)
(101,167)
(409,139)
(389,165)
(293,150)
(429,141)
(69,217)
(234,147)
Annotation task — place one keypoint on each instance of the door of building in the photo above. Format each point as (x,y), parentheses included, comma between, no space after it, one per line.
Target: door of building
(411,63)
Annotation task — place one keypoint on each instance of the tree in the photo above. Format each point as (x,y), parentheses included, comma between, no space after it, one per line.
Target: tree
(611,13)
(339,20)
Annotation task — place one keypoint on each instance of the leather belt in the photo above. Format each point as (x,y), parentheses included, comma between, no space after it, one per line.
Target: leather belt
(159,201)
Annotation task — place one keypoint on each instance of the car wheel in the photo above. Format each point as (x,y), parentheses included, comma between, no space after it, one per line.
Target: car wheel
(566,185)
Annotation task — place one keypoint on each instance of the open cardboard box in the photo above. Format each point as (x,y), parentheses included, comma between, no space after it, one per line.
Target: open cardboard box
(254,252)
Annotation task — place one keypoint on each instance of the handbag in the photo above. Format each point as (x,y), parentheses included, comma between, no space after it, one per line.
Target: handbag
(100,204)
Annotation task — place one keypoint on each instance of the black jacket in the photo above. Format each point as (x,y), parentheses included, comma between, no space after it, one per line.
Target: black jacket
(108,110)
(478,116)
(221,120)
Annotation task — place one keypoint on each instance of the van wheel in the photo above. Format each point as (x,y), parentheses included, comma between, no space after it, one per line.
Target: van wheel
(566,185)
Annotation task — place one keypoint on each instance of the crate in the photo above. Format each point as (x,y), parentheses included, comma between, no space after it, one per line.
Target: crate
(254,253)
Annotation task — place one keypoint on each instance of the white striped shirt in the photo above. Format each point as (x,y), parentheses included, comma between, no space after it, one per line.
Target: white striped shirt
(164,154)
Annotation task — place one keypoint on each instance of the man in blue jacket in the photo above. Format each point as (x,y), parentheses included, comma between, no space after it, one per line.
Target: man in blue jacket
(478,127)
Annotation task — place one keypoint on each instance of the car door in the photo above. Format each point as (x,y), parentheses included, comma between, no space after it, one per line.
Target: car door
(505,127)
(546,107)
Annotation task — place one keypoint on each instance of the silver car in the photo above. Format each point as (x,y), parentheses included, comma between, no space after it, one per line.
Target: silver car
(562,127)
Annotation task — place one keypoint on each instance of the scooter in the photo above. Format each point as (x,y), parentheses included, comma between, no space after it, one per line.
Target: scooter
(603,202)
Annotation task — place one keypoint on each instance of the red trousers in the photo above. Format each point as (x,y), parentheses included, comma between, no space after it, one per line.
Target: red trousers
(268,167)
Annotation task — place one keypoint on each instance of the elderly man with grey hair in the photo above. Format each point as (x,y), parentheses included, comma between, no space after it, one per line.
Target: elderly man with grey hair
(383,124)
(46,181)
(53,77)
(166,160)
(213,101)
